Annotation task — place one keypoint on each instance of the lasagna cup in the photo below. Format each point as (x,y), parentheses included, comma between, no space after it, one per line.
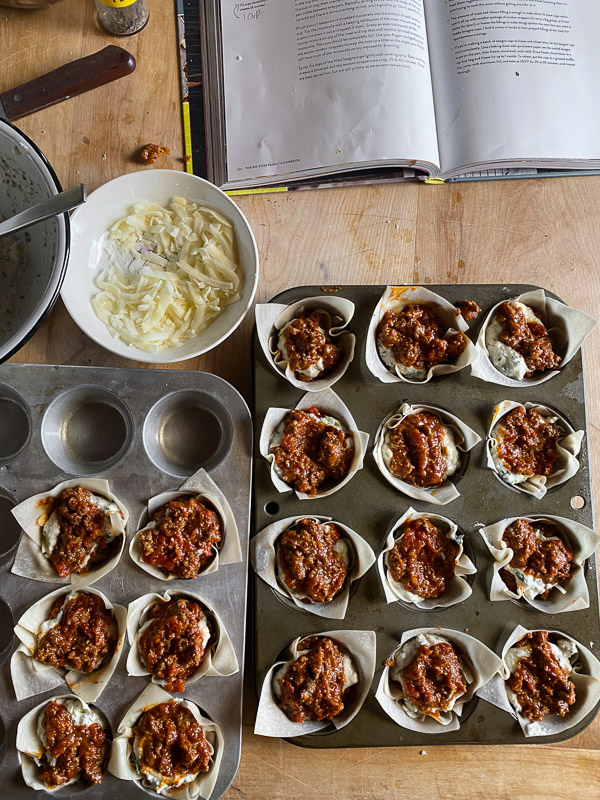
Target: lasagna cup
(423,562)
(531,447)
(307,342)
(69,635)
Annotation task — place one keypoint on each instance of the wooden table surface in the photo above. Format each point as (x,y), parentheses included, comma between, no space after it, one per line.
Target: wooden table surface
(544,232)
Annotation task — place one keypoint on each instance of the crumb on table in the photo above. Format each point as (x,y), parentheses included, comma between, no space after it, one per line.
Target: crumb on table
(150,152)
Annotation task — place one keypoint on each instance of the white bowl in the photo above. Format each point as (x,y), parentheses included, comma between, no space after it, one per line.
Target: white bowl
(89,230)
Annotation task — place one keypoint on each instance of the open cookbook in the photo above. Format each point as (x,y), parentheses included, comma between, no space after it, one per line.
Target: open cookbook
(319,91)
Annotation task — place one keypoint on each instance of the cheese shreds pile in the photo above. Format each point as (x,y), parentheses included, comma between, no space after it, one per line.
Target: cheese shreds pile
(171,271)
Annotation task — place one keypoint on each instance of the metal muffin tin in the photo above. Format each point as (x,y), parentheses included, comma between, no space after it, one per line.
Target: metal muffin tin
(145,431)
(370,506)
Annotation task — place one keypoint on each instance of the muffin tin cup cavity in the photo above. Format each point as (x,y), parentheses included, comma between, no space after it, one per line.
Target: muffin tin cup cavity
(568,328)
(272,721)
(465,439)
(185,431)
(6,630)
(31,677)
(10,530)
(87,430)
(264,560)
(479,664)
(15,425)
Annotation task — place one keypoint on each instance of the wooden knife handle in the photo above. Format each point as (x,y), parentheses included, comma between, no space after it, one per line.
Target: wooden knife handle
(67,81)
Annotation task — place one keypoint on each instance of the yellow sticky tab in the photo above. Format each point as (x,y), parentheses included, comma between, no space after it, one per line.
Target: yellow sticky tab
(435,181)
(117,3)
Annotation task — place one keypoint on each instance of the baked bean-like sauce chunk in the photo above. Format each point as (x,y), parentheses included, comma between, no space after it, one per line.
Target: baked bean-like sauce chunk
(171,742)
(311,565)
(423,559)
(76,748)
(173,645)
(312,687)
(530,339)
(540,684)
(526,442)
(551,561)
(307,341)
(312,452)
(415,335)
(182,543)
(85,635)
(417,454)
(468,309)
(433,678)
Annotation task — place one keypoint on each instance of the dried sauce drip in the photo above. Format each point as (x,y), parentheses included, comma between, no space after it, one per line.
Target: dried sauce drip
(528,338)
(76,748)
(415,335)
(173,645)
(526,442)
(551,561)
(307,341)
(540,683)
(417,451)
(423,559)
(170,741)
(312,452)
(468,309)
(311,565)
(83,637)
(312,687)
(182,543)
(150,153)
(433,678)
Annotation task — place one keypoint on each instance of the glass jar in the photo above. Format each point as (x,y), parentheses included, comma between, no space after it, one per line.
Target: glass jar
(122,17)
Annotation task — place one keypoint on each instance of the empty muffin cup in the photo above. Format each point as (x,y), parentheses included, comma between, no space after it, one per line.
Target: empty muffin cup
(15,425)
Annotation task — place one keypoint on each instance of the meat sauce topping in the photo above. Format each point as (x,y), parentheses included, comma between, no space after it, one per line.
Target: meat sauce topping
(528,338)
(183,541)
(309,562)
(423,559)
(467,309)
(540,683)
(307,341)
(173,645)
(550,559)
(433,678)
(415,335)
(312,452)
(170,741)
(416,444)
(78,749)
(85,635)
(526,442)
(312,687)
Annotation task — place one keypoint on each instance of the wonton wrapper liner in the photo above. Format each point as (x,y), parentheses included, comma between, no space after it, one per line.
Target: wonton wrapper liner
(30,562)
(206,491)
(328,402)
(394,299)
(587,689)
(120,766)
(31,677)
(582,540)
(568,329)
(457,589)
(568,447)
(219,658)
(276,316)
(271,720)
(480,661)
(263,559)
(465,441)
(28,744)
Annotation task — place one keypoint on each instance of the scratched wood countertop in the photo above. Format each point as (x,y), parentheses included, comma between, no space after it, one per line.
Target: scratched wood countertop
(545,232)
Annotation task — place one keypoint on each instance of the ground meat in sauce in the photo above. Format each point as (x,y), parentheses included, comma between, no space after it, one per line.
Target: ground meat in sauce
(310,564)
(171,742)
(82,542)
(77,748)
(433,678)
(307,341)
(423,558)
(551,561)
(415,335)
(150,153)
(529,339)
(526,442)
(312,687)
(172,646)
(540,684)
(183,541)
(312,452)
(84,636)
(468,309)
(417,452)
